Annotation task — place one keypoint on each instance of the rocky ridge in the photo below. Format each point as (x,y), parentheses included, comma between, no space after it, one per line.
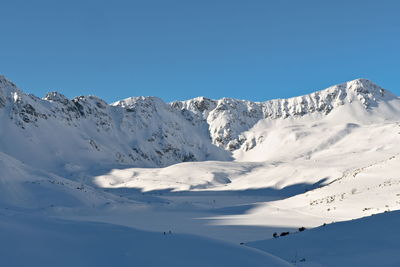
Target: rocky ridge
(147,132)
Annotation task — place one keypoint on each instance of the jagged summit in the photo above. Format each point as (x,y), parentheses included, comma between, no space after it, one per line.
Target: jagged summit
(362,85)
(56,97)
(228,117)
(144,102)
(361,89)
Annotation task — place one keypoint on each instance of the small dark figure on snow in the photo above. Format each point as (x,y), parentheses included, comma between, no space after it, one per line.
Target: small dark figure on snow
(284,233)
(301,229)
(275,235)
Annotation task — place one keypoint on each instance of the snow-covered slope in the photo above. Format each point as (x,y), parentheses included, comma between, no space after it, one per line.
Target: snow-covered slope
(365,242)
(26,187)
(300,151)
(359,192)
(28,240)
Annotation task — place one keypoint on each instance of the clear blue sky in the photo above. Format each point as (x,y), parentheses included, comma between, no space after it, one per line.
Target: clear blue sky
(179,49)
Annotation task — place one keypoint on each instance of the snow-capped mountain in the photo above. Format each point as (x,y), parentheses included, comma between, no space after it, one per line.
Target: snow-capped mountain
(228,118)
(58,133)
(329,156)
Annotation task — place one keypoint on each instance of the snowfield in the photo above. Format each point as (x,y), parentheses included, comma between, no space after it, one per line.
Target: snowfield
(101,183)
(364,242)
(38,241)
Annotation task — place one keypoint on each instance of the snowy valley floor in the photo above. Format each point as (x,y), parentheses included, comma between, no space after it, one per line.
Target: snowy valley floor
(31,240)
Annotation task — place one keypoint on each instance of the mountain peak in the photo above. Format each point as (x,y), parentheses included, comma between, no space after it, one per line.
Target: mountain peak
(362,81)
(6,83)
(138,100)
(56,97)
(362,85)
(364,91)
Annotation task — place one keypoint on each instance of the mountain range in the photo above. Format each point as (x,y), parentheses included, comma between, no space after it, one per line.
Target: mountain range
(203,167)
